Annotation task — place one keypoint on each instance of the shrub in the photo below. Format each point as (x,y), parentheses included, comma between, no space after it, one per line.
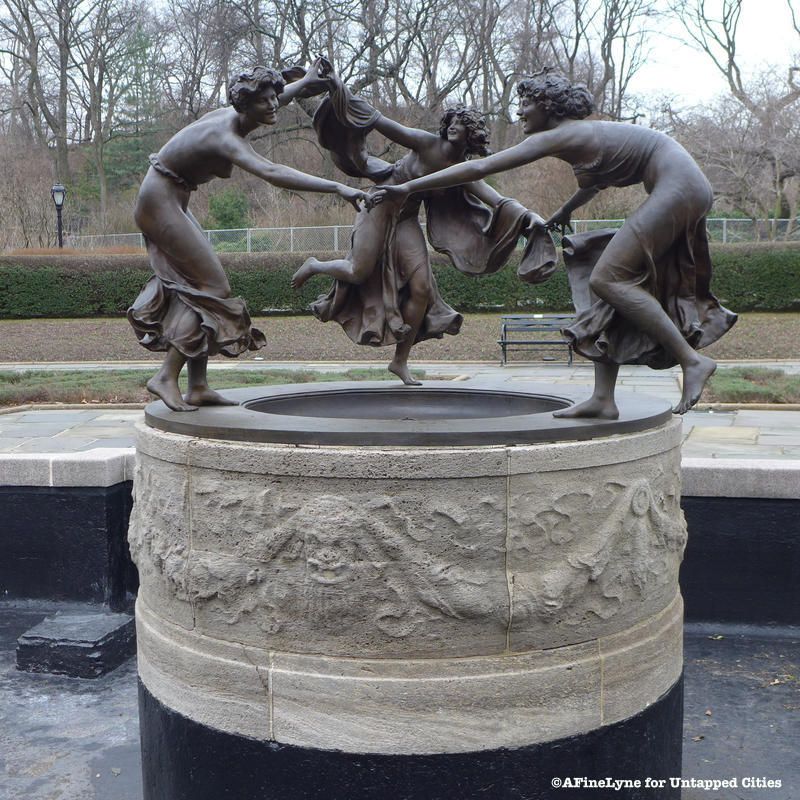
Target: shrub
(757,277)
(753,277)
(228,209)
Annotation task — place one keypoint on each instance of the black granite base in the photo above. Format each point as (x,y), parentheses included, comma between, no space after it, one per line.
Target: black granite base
(67,543)
(184,760)
(80,645)
(742,560)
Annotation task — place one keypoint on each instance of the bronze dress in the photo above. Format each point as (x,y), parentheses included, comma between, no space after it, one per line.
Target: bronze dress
(170,312)
(662,247)
(477,239)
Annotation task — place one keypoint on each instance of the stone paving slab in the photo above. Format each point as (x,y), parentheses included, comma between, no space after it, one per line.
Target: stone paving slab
(774,419)
(10,443)
(36,430)
(725,435)
(767,437)
(708,420)
(60,417)
(58,444)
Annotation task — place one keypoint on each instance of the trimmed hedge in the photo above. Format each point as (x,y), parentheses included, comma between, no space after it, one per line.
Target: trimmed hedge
(753,277)
(757,277)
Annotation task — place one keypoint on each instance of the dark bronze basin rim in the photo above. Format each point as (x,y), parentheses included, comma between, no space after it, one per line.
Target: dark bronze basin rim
(376,413)
(403,404)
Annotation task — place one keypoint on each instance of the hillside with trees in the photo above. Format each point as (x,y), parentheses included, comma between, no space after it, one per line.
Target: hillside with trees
(88,88)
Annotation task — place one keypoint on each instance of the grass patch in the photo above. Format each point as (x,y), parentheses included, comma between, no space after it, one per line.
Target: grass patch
(752,385)
(128,385)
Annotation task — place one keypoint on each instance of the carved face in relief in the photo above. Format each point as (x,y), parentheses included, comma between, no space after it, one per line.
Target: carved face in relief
(330,556)
(333,532)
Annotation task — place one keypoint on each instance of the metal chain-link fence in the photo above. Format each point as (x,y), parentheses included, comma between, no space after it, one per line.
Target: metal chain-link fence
(281,240)
(107,241)
(333,238)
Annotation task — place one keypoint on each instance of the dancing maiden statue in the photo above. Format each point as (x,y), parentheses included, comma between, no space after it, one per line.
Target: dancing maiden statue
(384,291)
(186,309)
(648,299)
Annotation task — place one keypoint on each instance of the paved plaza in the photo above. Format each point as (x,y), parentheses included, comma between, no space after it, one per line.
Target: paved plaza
(741,433)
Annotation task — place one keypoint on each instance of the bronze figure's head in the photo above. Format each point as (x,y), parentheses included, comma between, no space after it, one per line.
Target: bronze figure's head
(251,85)
(475,136)
(552,94)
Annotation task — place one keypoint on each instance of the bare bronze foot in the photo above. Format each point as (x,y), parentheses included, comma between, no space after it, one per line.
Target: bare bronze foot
(695,376)
(304,273)
(401,370)
(593,408)
(169,392)
(203,396)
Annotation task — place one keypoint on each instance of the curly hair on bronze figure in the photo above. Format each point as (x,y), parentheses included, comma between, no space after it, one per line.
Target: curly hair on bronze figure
(474,122)
(559,96)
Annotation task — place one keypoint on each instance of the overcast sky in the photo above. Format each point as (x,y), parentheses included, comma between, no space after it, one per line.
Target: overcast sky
(765,37)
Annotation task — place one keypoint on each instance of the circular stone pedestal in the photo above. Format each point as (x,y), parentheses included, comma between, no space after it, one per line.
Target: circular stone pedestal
(418,620)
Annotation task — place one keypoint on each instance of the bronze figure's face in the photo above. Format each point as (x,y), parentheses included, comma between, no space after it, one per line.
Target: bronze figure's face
(264,106)
(465,127)
(254,93)
(457,131)
(532,114)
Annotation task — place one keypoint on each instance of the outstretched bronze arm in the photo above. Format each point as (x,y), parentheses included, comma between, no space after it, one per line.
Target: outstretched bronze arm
(244,156)
(561,218)
(532,149)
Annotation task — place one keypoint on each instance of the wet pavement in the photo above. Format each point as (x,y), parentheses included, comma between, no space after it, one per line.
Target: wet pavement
(77,739)
(64,738)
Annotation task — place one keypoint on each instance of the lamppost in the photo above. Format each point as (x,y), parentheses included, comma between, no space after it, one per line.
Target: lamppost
(59,194)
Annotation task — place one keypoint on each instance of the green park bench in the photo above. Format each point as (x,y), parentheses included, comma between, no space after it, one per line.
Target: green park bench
(534,331)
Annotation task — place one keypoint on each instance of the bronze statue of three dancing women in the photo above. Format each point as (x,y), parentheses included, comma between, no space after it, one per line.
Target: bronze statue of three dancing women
(645,296)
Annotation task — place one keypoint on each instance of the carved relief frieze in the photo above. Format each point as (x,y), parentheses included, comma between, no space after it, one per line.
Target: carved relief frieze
(337,561)
(592,550)
(158,531)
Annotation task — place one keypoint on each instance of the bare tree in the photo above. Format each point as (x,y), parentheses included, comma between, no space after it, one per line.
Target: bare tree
(101,56)
(98,82)
(204,36)
(756,137)
(713,27)
(39,36)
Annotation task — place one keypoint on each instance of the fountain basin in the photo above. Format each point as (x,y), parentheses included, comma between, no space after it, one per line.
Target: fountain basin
(431,577)
(378,413)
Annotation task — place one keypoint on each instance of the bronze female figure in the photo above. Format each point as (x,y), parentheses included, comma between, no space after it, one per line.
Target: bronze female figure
(652,280)
(385,291)
(186,309)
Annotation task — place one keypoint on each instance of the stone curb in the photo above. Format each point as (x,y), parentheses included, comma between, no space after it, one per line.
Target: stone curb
(106,466)
(741,477)
(100,467)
